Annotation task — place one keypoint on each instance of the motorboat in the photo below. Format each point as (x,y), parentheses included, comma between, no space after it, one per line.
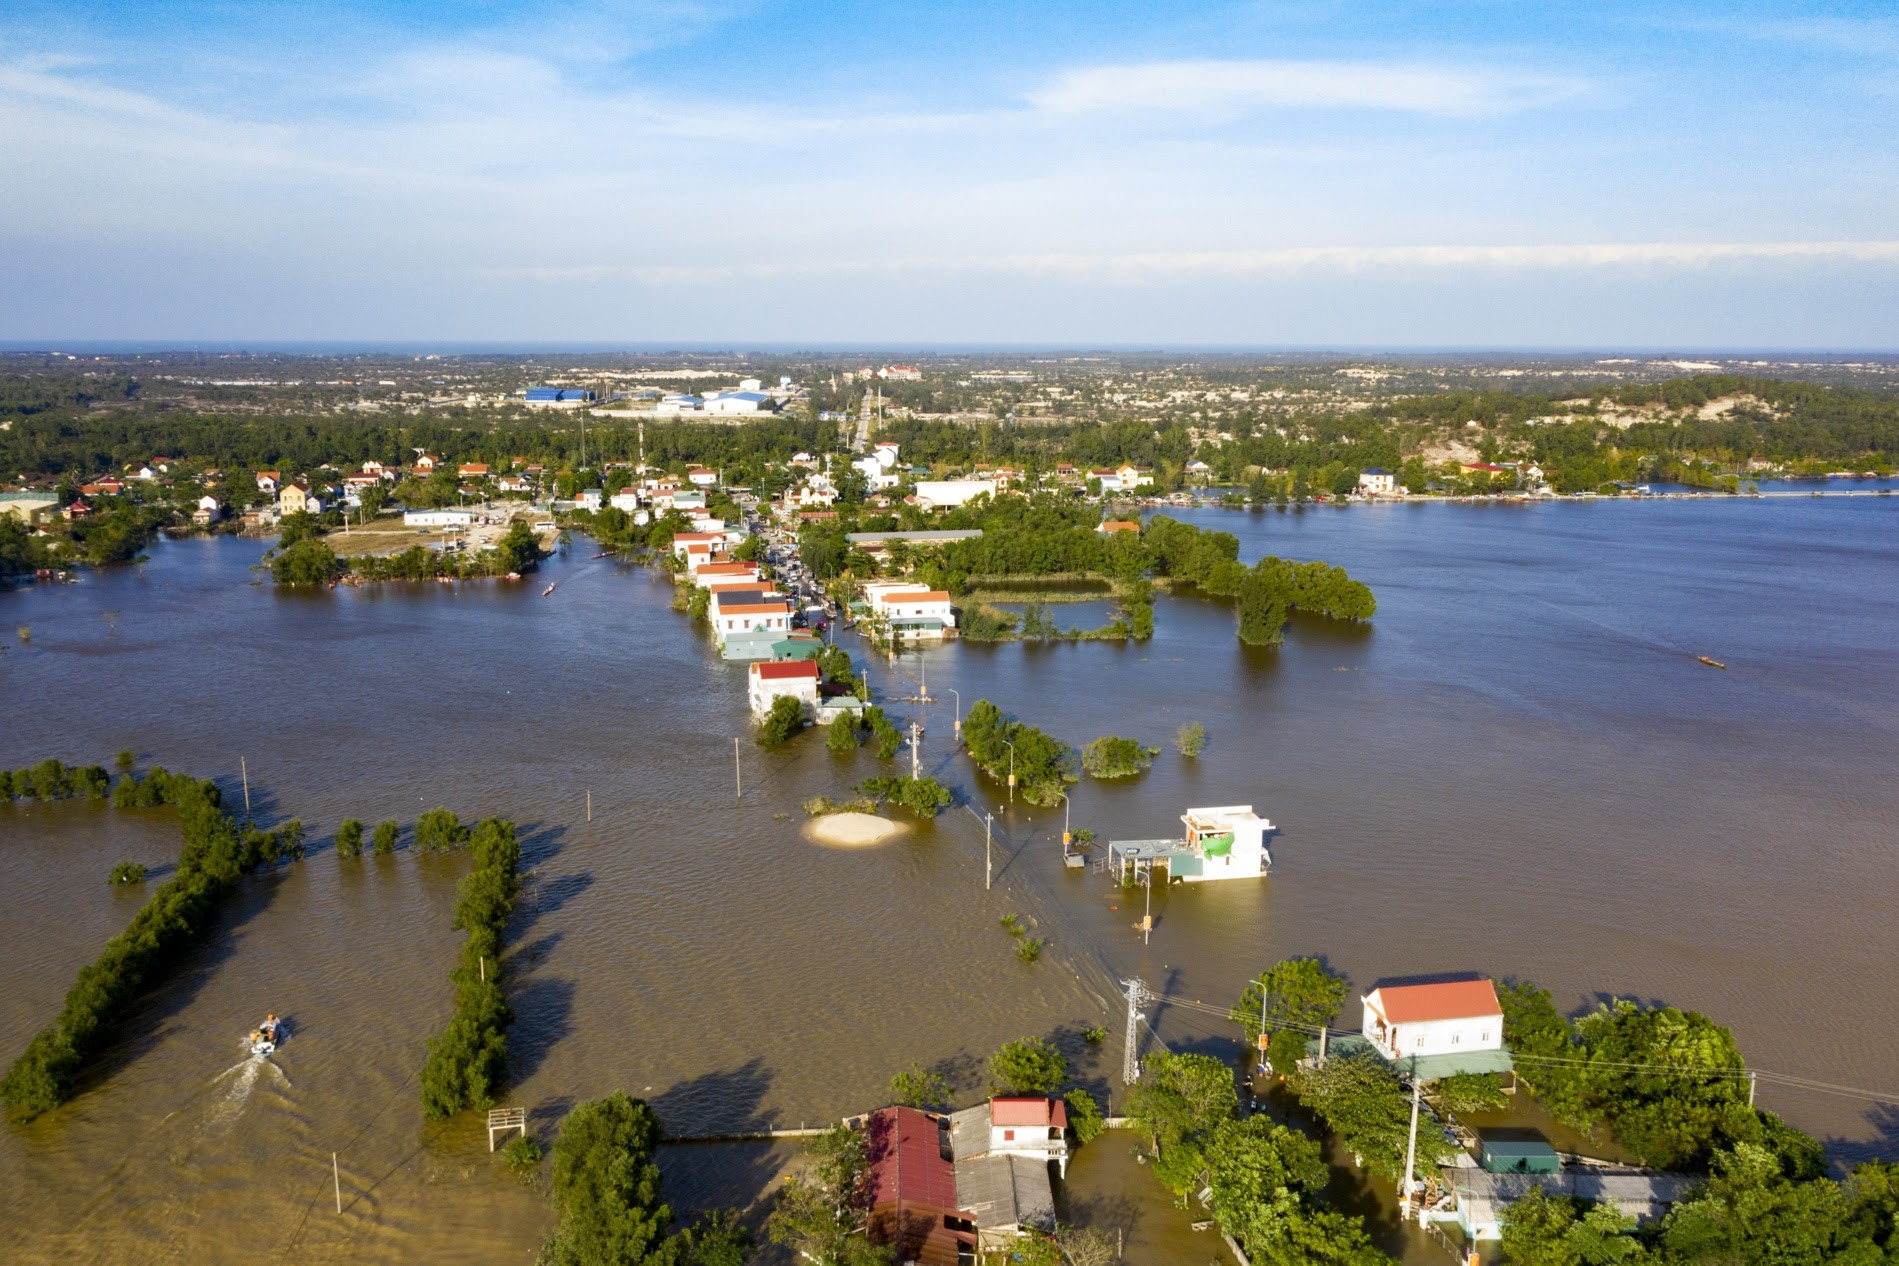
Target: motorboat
(263,1038)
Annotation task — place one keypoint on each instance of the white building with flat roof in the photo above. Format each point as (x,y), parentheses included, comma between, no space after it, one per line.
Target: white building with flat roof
(437,518)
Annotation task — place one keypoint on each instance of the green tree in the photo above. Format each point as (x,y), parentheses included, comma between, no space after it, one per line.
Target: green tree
(1464,1093)
(1298,993)
(822,1212)
(606,1187)
(1084,1115)
(349,838)
(1181,1098)
(308,562)
(1027,1066)
(1191,738)
(387,833)
(919,1087)
(785,719)
(1362,1101)
(518,549)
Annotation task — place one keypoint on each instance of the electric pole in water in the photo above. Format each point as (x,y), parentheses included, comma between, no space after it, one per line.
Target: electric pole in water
(988,865)
(738,780)
(916,750)
(1130,1059)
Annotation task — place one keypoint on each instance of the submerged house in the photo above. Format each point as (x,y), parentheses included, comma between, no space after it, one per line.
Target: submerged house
(1221,842)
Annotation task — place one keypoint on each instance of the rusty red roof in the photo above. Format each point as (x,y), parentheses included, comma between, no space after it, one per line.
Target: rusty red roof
(785,669)
(907,1163)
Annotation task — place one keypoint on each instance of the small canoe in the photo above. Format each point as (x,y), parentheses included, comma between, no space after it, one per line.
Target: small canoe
(549,590)
(1712,663)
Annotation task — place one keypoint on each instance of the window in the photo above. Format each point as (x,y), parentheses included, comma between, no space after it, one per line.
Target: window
(1456,1038)
(1485,1036)
(1008,1136)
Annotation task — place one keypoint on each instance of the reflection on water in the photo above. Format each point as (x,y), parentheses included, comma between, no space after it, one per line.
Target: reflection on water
(1518,768)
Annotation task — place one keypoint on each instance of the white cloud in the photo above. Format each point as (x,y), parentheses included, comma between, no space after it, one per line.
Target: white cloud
(1221,87)
(1157,266)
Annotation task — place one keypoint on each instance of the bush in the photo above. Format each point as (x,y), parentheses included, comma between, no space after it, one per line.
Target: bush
(843,737)
(1114,757)
(349,838)
(124,760)
(921,796)
(521,1155)
(127,873)
(785,719)
(1191,738)
(387,833)
(1029,948)
(439,831)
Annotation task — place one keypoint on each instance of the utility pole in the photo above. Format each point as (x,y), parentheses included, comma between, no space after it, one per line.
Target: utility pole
(336,1176)
(988,865)
(1753,1080)
(1147,913)
(738,780)
(1130,1059)
(916,754)
(1411,1148)
(590,804)
(246,770)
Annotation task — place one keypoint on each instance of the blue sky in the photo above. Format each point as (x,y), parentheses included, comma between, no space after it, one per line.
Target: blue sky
(1306,174)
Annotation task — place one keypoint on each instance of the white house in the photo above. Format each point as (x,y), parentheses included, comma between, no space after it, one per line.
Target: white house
(771,678)
(627,499)
(1029,1125)
(437,518)
(702,477)
(1222,842)
(706,574)
(910,610)
(748,613)
(682,539)
(208,511)
(1377,482)
(1451,1017)
(935,493)
(590,499)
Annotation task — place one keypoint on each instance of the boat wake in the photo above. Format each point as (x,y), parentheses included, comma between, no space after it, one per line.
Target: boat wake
(242,1078)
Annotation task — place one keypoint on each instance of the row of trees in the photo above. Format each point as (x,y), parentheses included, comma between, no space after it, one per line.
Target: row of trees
(469,1059)
(214,857)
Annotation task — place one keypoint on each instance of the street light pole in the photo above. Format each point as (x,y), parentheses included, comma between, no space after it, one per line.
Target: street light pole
(1011,746)
(959,710)
(988,865)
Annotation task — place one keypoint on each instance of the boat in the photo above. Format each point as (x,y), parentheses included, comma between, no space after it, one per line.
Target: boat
(263,1038)
(1712,663)
(549,590)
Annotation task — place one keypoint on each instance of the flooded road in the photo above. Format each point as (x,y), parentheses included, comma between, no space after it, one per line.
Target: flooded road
(1518,768)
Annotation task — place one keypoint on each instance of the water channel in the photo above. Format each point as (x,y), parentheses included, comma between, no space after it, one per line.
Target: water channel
(1518,768)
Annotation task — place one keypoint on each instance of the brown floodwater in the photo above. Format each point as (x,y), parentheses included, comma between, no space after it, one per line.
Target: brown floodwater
(1518,768)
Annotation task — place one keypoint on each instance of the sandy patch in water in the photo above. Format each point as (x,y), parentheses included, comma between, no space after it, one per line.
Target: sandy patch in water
(852,830)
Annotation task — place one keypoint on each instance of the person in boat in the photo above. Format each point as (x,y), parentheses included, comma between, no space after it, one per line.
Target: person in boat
(270,1026)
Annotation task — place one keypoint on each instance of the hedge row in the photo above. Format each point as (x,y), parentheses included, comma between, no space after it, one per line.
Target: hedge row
(50,780)
(468,1060)
(215,855)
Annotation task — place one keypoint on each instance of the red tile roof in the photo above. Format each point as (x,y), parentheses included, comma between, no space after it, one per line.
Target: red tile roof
(785,669)
(1447,1000)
